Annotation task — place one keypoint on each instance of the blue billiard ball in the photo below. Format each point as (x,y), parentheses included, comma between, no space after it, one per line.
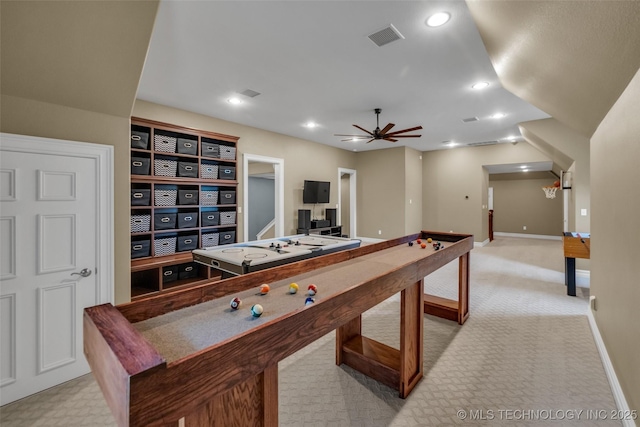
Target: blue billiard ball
(309,300)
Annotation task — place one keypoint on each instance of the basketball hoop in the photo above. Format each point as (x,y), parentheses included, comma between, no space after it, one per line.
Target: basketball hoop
(550,191)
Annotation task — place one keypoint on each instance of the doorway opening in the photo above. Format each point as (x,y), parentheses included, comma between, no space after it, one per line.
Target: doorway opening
(347,201)
(263,199)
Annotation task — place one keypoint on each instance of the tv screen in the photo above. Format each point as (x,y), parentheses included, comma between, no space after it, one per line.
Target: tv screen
(315,192)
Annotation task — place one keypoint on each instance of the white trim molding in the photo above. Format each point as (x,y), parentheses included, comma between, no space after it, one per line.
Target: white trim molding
(278,170)
(353,217)
(527,236)
(481,244)
(616,389)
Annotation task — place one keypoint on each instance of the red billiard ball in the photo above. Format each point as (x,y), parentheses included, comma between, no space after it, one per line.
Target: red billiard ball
(313,289)
(418,241)
(235,303)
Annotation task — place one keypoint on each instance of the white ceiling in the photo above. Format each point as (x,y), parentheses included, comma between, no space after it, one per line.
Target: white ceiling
(313,61)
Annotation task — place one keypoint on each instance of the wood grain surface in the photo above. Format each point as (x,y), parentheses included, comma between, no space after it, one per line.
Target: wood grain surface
(162,392)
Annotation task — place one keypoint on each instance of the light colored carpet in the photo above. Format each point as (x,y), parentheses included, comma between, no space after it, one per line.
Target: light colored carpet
(525,357)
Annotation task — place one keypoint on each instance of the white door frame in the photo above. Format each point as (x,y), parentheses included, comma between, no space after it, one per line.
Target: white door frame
(278,169)
(353,232)
(103,155)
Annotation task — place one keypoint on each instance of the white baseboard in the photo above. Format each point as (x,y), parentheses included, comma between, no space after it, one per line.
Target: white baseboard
(480,244)
(618,395)
(583,273)
(527,236)
(370,239)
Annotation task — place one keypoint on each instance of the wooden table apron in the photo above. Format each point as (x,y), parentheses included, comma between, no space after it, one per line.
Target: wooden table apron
(141,388)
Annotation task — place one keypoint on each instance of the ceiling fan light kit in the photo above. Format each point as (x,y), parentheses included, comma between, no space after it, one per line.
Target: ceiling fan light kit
(383,133)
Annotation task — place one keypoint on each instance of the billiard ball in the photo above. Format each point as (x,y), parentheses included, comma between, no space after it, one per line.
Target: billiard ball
(256,310)
(418,241)
(264,289)
(429,240)
(424,245)
(309,300)
(235,303)
(313,289)
(293,288)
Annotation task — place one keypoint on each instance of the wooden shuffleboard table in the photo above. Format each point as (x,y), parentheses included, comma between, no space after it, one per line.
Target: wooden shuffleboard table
(186,358)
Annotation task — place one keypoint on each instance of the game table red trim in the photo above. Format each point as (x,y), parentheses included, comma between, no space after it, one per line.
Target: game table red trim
(232,379)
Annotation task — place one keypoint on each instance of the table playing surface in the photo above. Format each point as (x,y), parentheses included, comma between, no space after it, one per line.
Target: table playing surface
(180,333)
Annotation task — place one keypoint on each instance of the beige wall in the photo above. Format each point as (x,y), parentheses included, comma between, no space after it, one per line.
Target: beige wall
(302,159)
(570,150)
(413,191)
(615,270)
(345,220)
(449,176)
(28,117)
(519,202)
(381,193)
(70,70)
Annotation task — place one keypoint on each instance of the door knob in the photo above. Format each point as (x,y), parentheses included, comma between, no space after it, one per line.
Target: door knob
(85,272)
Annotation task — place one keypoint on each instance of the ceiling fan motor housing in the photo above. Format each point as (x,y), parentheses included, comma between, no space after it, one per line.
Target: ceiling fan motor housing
(384,134)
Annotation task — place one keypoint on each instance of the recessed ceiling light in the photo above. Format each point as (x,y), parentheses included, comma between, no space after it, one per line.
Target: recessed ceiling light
(525,170)
(355,138)
(438,19)
(234,101)
(523,167)
(498,116)
(480,85)
(310,125)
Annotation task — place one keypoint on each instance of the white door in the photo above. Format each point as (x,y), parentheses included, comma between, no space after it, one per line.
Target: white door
(51,251)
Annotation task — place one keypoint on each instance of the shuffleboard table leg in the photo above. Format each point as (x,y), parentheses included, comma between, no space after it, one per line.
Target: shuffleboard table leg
(411,337)
(344,333)
(399,369)
(251,403)
(463,288)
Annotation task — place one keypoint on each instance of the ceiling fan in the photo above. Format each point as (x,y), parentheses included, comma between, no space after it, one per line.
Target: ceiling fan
(382,133)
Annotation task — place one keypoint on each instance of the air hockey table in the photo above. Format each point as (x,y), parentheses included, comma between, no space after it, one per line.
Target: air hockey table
(243,258)
(188,359)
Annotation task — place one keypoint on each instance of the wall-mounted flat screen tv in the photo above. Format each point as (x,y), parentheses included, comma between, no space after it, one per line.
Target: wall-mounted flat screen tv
(315,192)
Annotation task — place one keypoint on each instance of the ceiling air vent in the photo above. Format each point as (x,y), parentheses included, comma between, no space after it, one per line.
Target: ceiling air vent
(470,119)
(475,144)
(386,36)
(250,93)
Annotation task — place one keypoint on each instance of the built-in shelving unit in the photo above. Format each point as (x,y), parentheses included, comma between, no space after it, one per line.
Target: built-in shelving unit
(183,197)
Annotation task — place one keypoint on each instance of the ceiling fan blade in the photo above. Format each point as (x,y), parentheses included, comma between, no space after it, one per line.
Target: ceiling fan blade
(404,130)
(390,139)
(355,136)
(405,136)
(387,128)
(363,130)
(372,139)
